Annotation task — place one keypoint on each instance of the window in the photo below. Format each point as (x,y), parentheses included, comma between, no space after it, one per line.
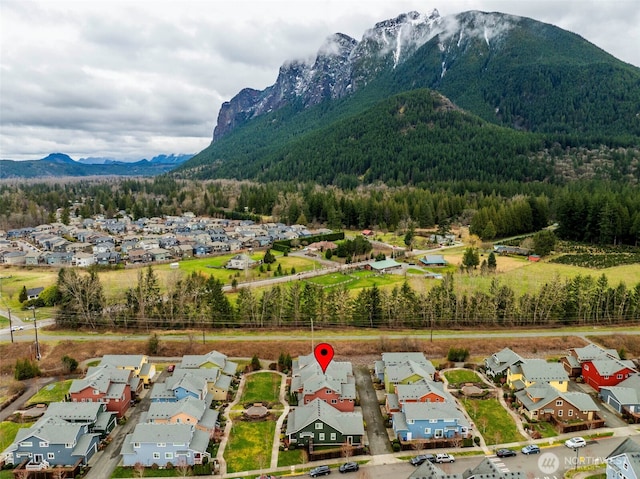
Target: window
(586,367)
(51,455)
(68,445)
(318,425)
(606,377)
(26,444)
(168,455)
(570,413)
(560,413)
(619,376)
(559,402)
(333,436)
(96,392)
(156,455)
(410,421)
(334,401)
(427,431)
(321,436)
(433,421)
(44,444)
(162,444)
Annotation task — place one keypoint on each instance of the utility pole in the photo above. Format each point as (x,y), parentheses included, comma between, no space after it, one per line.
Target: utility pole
(10,325)
(35,328)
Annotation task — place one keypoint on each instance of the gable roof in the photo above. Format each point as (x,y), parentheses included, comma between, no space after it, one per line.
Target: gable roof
(537,370)
(75,411)
(592,351)
(413,392)
(52,430)
(124,360)
(626,392)
(348,423)
(421,411)
(626,446)
(399,372)
(608,366)
(545,394)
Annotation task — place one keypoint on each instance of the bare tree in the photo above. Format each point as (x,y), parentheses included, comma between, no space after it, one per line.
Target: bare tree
(138,469)
(346,450)
(183,468)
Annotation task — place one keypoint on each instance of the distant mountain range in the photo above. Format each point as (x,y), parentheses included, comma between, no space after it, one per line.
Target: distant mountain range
(60,164)
(501,79)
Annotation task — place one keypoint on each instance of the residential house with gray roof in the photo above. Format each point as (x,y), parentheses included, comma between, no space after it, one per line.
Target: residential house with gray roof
(218,383)
(532,371)
(93,414)
(163,444)
(539,401)
(323,425)
(625,396)
(429,420)
(624,461)
(187,411)
(498,363)
(52,441)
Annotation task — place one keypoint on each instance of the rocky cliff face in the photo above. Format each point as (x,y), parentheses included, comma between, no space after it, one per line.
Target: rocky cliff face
(343,64)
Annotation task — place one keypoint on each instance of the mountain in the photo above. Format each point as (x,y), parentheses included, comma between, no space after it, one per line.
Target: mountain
(510,71)
(60,164)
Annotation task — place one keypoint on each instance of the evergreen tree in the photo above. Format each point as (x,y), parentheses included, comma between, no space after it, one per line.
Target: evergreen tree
(23,295)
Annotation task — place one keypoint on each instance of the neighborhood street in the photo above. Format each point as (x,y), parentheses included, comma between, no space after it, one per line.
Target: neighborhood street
(376,431)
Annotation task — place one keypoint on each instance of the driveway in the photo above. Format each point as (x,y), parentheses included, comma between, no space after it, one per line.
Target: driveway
(376,432)
(611,418)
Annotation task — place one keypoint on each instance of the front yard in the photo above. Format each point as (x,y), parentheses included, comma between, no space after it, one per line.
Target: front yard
(458,377)
(249,446)
(492,421)
(54,392)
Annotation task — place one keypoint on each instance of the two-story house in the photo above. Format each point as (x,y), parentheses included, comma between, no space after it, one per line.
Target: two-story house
(323,425)
(335,386)
(177,388)
(532,371)
(218,384)
(573,361)
(164,444)
(607,371)
(50,442)
(429,420)
(498,363)
(187,411)
(403,368)
(625,396)
(93,414)
(138,363)
(539,401)
(428,391)
(214,359)
(104,385)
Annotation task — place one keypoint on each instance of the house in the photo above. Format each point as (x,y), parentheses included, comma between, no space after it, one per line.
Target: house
(214,359)
(539,401)
(177,388)
(164,444)
(532,371)
(241,262)
(434,261)
(34,293)
(487,469)
(94,414)
(137,363)
(52,441)
(498,363)
(335,386)
(578,356)
(104,385)
(625,396)
(624,461)
(323,425)
(341,396)
(82,260)
(218,384)
(188,411)
(429,420)
(408,372)
(428,391)
(606,371)
(383,266)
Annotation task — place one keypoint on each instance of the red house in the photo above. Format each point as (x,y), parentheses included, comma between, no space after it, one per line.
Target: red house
(427,391)
(606,371)
(105,385)
(342,396)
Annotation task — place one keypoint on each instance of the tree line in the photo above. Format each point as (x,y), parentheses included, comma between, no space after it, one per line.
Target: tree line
(198,301)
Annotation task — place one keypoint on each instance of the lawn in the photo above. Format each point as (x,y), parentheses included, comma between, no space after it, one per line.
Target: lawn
(459,376)
(51,393)
(8,431)
(492,421)
(261,387)
(123,472)
(249,445)
(545,429)
(291,457)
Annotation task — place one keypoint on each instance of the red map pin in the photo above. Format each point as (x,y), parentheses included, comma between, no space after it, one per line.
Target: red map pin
(324,354)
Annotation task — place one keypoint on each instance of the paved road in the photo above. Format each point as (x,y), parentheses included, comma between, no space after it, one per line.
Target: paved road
(376,431)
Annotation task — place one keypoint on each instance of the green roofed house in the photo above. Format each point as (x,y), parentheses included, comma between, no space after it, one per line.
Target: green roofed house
(383,266)
(323,425)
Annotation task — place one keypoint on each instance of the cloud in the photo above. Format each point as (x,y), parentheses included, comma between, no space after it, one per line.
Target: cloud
(134,79)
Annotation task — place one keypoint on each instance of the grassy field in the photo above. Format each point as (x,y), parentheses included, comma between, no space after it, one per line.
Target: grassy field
(8,431)
(492,421)
(51,393)
(460,376)
(261,387)
(292,457)
(249,445)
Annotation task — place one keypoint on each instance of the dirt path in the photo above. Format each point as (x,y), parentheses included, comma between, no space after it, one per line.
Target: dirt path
(376,431)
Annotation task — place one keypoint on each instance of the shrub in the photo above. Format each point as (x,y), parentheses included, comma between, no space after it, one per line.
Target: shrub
(26,369)
(69,364)
(457,354)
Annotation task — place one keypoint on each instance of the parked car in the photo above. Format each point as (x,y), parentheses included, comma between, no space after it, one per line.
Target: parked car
(505,452)
(349,467)
(320,471)
(440,458)
(17,328)
(531,449)
(171,368)
(419,459)
(575,442)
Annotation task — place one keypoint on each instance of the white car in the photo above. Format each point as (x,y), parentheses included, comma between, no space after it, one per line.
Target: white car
(440,458)
(17,328)
(575,442)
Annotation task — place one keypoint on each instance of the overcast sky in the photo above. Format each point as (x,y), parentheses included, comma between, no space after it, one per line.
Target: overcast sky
(137,78)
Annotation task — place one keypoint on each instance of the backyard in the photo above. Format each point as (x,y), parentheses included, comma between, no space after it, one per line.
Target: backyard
(261,387)
(51,393)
